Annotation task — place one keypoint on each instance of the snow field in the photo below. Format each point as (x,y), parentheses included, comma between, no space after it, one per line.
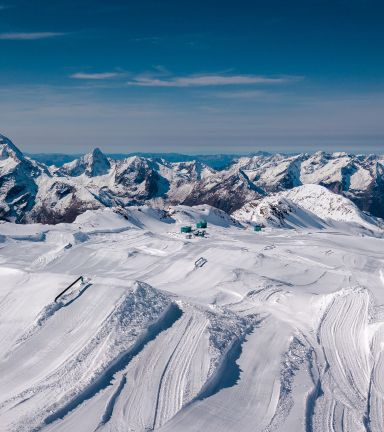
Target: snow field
(277,331)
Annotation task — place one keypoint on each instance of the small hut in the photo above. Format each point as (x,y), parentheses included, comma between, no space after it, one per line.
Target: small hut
(202,224)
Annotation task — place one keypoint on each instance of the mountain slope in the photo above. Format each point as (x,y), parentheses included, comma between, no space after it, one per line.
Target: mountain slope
(308,206)
(226,190)
(235,331)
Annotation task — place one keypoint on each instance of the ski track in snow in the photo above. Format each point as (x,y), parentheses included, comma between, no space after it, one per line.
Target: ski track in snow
(155,376)
(376,391)
(286,338)
(345,383)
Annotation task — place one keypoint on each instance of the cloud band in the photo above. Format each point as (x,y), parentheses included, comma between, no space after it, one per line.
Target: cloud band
(208,80)
(29,36)
(95,76)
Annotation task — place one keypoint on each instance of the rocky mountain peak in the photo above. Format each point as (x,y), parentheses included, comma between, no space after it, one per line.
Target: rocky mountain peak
(98,163)
(9,150)
(92,164)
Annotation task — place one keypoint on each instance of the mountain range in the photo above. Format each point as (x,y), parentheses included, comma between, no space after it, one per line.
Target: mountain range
(33,191)
(214,161)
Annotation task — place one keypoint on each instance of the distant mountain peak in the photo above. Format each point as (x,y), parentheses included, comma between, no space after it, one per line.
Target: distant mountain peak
(8,149)
(97,153)
(92,164)
(259,153)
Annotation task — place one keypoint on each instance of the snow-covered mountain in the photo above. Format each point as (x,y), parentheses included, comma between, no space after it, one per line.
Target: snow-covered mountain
(359,178)
(307,206)
(18,188)
(30,191)
(92,164)
(33,192)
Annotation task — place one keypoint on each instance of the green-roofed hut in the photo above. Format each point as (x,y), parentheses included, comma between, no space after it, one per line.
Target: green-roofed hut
(202,224)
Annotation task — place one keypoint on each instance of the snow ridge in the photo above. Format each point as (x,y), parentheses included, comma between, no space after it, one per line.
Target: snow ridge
(133,314)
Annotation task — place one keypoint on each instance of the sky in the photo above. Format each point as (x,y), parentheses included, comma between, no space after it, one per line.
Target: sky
(199,77)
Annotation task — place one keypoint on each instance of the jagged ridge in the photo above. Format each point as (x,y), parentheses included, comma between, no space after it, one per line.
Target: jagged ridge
(33,192)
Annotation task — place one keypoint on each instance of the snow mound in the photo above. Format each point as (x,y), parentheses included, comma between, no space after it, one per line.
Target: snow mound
(347,356)
(187,359)
(148,217)
(107,220)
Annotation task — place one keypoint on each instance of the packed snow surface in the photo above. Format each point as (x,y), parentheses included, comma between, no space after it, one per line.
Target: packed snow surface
(277,330)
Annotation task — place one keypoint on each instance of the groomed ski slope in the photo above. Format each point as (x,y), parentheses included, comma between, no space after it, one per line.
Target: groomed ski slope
(278,330)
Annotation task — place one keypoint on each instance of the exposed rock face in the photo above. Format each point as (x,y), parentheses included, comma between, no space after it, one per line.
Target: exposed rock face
(17,186)
(138,178)
(227,190)
(33,192)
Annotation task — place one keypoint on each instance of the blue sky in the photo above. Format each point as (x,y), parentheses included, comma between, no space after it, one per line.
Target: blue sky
(192,77)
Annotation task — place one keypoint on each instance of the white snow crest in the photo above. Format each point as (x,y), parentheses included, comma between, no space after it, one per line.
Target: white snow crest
(129,321)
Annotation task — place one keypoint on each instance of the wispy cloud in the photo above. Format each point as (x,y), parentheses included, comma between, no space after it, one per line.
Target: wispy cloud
(30,36)
(209,80)
(144,39)
(6,7)
(162,69)
(96,76)
(244,94)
